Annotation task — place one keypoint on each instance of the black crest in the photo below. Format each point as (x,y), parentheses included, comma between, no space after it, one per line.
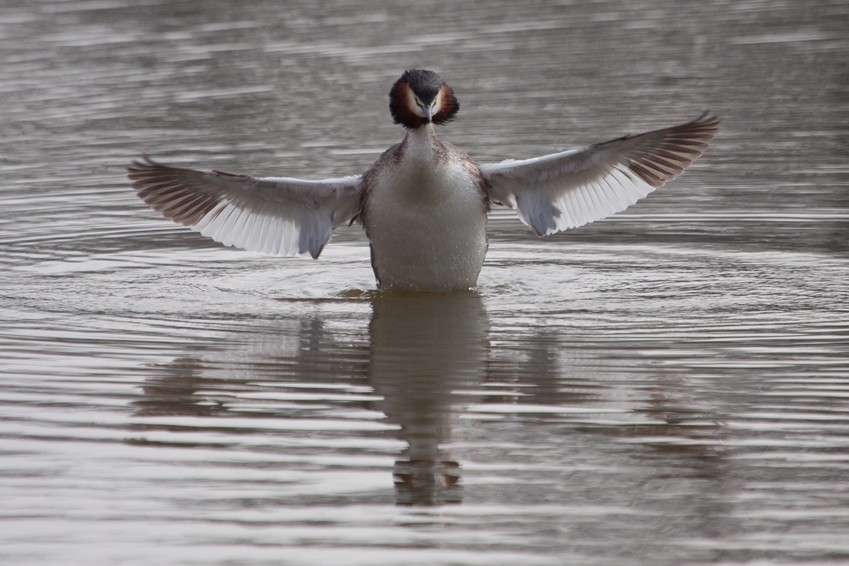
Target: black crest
(424,83)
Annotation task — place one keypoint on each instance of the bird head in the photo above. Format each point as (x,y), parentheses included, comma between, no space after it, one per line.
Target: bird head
(421,97)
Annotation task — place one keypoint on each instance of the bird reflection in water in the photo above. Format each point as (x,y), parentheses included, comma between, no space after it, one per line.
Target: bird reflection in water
(427,353)
(424,354)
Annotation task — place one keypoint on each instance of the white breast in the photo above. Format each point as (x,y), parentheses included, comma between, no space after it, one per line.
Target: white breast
(426,219)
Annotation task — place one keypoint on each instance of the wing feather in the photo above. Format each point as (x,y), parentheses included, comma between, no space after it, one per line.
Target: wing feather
(277,215)
(571,188)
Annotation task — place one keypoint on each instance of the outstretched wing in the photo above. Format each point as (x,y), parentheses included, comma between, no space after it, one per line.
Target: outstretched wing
(275,215)
(571,188)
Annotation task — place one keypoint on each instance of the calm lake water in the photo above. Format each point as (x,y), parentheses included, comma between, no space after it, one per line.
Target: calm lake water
(670,386)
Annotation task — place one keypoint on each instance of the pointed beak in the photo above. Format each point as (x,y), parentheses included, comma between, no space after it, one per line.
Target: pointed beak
(429,112)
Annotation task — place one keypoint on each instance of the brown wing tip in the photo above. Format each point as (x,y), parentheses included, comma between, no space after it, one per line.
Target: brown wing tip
(144,167)
(143,160)
(670,151)
(169,191)
(708,118)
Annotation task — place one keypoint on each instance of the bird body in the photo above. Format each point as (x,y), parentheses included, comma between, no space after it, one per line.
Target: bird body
(424,203)
(425,216)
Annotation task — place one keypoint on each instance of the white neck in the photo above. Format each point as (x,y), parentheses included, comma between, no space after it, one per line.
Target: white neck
(419,143)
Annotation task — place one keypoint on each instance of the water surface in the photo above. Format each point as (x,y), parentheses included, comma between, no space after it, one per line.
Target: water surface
(665,387)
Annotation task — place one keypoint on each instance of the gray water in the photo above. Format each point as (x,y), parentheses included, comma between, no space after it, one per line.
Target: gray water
(670,386)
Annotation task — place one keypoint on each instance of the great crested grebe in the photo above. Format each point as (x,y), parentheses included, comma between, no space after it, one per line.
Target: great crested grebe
(423,203)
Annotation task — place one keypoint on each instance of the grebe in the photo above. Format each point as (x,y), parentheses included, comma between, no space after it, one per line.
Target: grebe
(423,203)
